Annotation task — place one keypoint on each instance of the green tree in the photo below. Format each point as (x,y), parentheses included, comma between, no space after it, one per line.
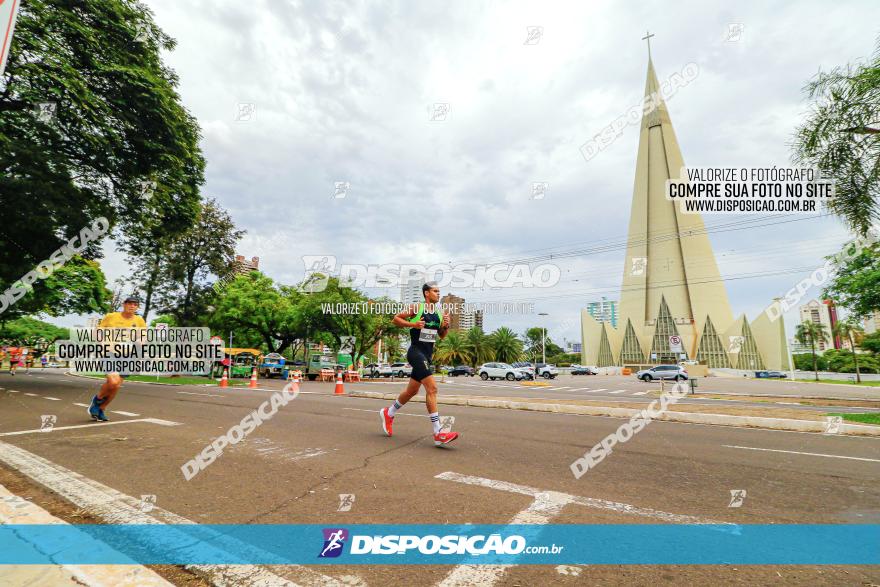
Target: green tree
(253,306)
(88,113)
(77,287)
(479,346)
(453,349)
(804,362)
(871,343)
(841,138)
(848,330)
(812,334)
(856,284)
(28,330)
(508,348)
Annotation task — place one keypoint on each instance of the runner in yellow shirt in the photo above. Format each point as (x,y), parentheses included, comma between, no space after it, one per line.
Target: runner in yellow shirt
(124,319)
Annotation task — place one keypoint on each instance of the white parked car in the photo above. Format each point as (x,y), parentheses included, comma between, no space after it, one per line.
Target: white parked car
(501,371)
(547,371)
(400,370)
(675,372)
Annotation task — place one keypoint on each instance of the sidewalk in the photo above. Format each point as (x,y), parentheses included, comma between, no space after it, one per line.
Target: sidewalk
(721,415)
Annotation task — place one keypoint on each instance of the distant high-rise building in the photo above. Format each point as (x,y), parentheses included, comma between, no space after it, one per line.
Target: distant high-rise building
(241,266)
(604,311)
(871,324)
(820,313)
(797,348)
(411,289)
(459,319)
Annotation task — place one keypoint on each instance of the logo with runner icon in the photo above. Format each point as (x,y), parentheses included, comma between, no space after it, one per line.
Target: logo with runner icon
(334,541)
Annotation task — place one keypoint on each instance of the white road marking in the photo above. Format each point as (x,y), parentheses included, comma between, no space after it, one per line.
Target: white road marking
(592,502)
(376,411)
(601,389)
(794,452)
(114,507)
(617,391)
(205,394)
(121,413)
(546,506)
(54,399)
(641,392)
(555,388)
(31,394)
(81,405)
(16,510)
(95,425)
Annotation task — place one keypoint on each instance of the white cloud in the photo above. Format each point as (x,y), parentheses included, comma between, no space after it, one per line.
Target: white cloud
(343,90)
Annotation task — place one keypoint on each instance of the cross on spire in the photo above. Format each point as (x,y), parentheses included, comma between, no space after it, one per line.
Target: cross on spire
(647,37)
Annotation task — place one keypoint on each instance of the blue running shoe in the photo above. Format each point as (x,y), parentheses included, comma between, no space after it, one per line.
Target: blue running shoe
(94,409)
(101,416)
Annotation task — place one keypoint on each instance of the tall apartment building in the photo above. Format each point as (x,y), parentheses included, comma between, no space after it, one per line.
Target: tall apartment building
(460,320)
(824,314)
(243,266)
(871,324)
(411,289)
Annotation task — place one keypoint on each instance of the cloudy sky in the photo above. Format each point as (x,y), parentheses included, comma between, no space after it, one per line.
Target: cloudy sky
(344,91)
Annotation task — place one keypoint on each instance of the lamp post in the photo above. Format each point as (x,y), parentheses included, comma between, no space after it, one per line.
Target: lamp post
(543,345)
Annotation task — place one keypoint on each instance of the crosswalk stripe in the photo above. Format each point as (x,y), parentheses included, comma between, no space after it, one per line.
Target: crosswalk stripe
(641,393)
(54,399)
(32,394)
(617,391)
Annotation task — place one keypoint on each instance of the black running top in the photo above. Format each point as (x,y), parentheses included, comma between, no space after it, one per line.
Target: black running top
(423,339)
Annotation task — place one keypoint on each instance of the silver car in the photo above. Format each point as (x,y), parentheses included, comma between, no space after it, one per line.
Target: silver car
(675,372)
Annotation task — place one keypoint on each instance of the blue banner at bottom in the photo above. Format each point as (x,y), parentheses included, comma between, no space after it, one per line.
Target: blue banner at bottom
(280,544)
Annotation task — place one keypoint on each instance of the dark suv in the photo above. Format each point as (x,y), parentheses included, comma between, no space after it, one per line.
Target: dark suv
(461,370)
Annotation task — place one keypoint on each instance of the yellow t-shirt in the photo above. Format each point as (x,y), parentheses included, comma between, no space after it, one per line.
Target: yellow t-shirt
(116,320)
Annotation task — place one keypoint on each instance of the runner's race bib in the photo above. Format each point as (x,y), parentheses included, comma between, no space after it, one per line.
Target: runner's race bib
(428,335)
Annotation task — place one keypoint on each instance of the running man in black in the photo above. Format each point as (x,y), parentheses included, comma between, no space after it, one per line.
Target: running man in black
(427,324)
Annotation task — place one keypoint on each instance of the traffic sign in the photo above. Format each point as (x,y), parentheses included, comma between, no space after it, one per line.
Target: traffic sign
(8,13)
(675,344)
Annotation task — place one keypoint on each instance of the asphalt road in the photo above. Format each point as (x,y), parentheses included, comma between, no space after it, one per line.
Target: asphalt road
(616,389)
(293,468)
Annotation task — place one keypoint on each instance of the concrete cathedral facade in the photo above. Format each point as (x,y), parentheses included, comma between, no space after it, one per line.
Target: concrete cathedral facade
(671,284)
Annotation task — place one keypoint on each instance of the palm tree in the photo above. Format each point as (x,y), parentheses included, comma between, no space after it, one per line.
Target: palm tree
(479,346)
(391,345)
(846,329)
(452,349)
(840,138)
(811,333)
(508,348)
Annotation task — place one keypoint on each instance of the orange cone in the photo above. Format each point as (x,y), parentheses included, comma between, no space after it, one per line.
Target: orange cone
(294,385)
(224,382)
(340,390)
(253,382)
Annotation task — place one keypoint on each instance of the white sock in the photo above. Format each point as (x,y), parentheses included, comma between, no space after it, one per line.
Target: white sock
(394,407)
(435,422)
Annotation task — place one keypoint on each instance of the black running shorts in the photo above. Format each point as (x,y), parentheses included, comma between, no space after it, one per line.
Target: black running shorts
(421,365)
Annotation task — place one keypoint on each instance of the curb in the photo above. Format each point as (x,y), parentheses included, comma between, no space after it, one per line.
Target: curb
(846,429)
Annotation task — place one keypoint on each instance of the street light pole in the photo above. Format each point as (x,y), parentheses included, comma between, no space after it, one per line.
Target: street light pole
(543,344)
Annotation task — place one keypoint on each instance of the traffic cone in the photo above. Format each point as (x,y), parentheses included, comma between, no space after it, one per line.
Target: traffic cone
(253,382)
(224,382)
(340,390)
(294,385)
